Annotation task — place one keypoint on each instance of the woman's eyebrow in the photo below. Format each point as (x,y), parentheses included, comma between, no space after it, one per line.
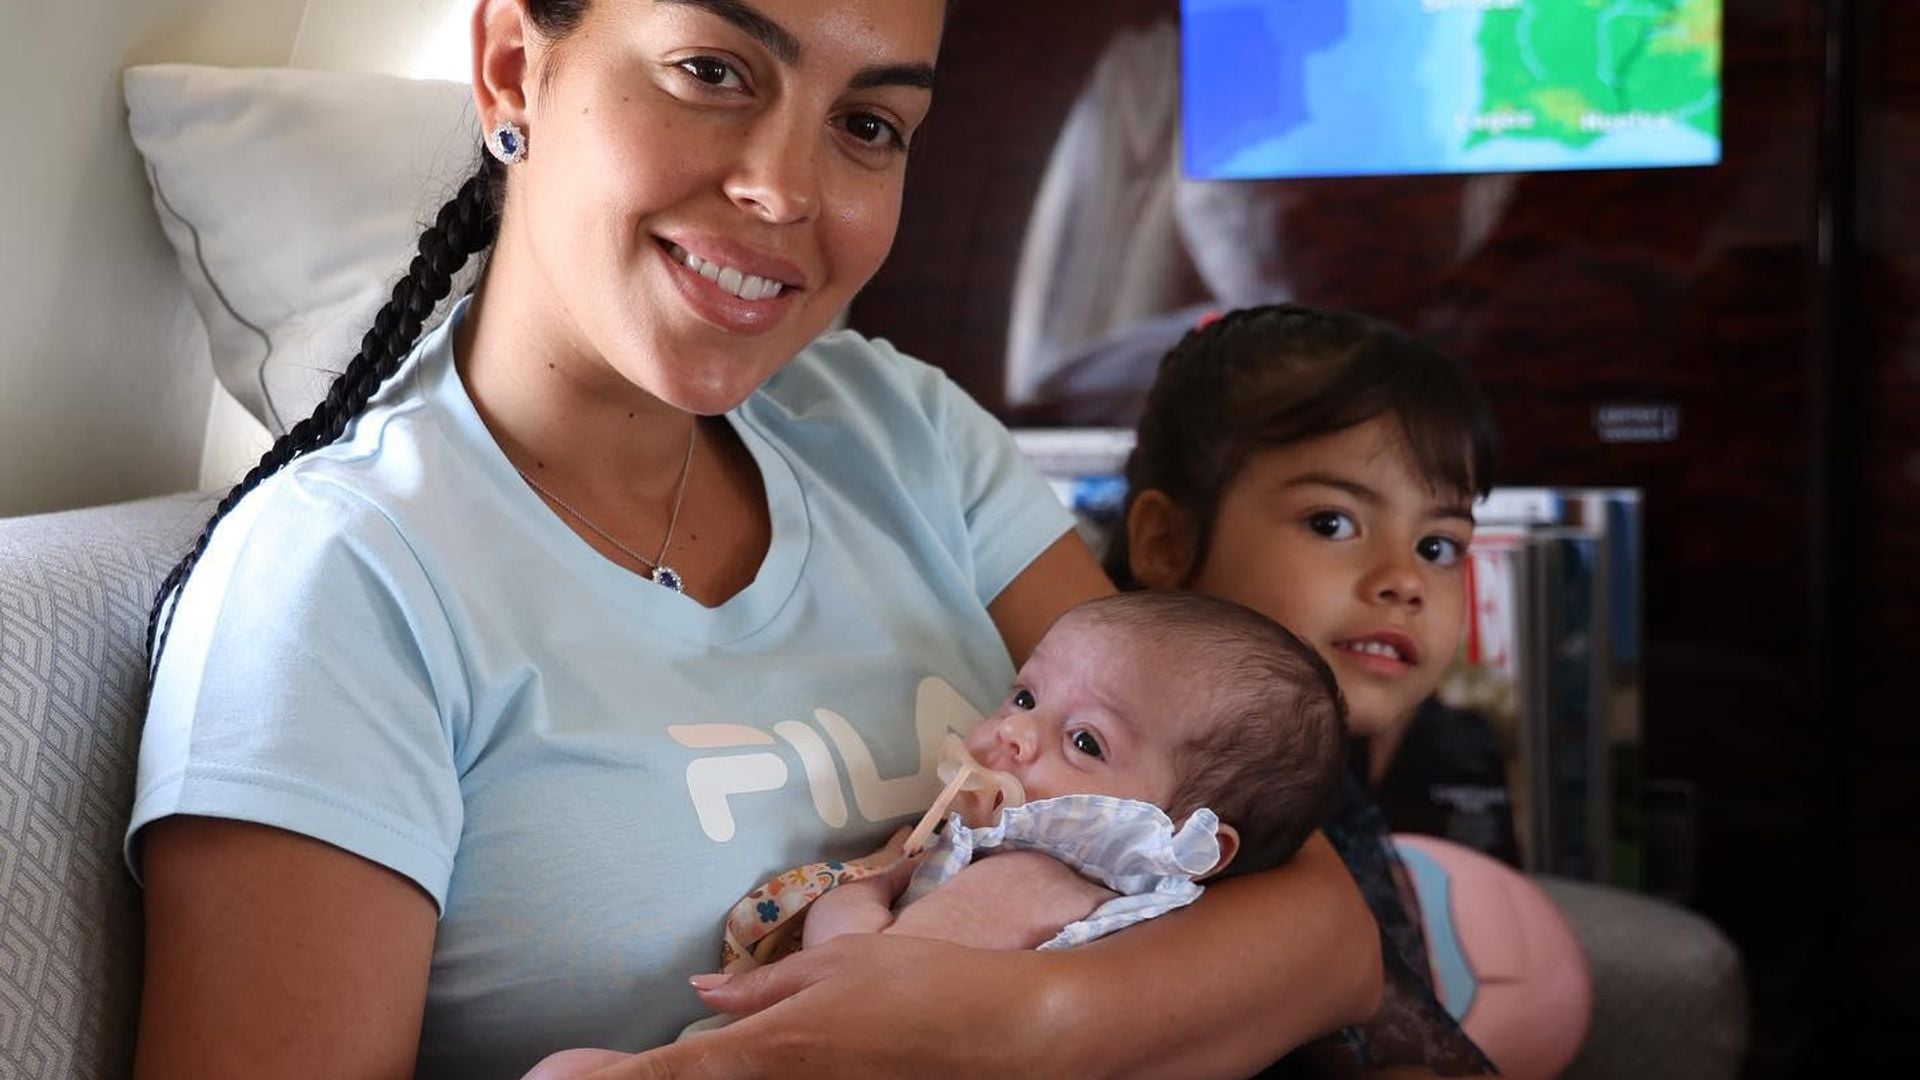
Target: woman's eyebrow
(914,75)
(778,40)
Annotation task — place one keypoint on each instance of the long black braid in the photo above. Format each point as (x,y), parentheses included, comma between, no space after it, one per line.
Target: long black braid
(465,225)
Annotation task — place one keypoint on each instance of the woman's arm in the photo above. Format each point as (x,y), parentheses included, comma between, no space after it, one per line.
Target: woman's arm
(1064,575)
(271,954)
(1257,966)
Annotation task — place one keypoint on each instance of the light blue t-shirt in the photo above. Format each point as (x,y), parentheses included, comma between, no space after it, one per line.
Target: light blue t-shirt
(395,647)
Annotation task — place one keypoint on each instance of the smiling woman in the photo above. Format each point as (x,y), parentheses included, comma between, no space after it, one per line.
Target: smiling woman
(445,777)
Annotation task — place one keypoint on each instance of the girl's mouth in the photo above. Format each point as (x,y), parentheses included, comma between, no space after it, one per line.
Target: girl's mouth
(1388,652)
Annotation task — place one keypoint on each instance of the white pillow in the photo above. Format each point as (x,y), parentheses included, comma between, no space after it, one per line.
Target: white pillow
(294,200)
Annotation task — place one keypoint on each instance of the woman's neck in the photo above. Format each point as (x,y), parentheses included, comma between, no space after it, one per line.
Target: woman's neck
(559,411)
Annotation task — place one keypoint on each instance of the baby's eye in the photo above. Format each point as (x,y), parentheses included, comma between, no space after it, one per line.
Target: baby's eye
(1441,551)
(1023,699)
(1333,525)
(714,72)
(1088,744)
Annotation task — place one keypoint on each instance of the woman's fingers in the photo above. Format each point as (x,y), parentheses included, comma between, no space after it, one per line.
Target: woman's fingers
(881,1006)
(747,992)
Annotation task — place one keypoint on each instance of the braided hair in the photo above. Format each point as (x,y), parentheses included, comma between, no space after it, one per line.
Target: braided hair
(1269,376)
(465,226)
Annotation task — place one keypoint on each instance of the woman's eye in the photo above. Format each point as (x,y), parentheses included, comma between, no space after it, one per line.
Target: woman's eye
(1440,550)
(870,130)
(714,72)
(1023,699)
(1086,743)
(1333,525)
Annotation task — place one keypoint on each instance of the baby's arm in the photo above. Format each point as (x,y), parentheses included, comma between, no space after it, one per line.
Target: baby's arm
(1013,900)
(857,907)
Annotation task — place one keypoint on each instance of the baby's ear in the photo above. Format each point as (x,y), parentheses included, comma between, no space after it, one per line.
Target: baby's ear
(1229,838)
(1159,541)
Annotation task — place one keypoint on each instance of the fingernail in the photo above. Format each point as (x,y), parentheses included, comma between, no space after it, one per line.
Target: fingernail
(709,982)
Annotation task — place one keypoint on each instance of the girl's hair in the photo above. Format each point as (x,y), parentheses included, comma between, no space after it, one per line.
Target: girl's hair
(465,226)
(1265,377)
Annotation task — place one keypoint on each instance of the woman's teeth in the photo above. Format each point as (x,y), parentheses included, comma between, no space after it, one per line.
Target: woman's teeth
(1374,648)
(745,286)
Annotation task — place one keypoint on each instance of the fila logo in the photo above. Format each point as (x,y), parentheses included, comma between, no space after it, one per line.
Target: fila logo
(713,781)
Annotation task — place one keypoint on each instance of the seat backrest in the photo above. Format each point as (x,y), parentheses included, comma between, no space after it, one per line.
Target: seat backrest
(74,593)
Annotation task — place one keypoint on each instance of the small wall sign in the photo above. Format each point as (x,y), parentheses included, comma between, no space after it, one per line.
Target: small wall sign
(1637,422)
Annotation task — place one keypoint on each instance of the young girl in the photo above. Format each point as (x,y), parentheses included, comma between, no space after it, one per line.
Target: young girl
(515,662)
(1320,467)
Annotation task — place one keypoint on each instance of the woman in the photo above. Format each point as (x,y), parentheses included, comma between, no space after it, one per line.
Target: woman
(443,772)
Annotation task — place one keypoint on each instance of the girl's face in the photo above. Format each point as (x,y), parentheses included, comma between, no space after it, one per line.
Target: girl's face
(710,181)
(1342,540)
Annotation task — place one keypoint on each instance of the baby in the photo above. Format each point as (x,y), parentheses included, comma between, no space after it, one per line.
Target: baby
(1157,738)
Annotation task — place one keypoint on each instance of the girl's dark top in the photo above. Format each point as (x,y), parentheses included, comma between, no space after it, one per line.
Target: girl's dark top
(1448,779)
(1411,1026)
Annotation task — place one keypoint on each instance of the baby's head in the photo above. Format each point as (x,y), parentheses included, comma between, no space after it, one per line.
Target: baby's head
(1183,701)
(1319,467)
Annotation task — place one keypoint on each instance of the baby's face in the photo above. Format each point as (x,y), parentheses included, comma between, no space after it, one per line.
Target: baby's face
(1089,714)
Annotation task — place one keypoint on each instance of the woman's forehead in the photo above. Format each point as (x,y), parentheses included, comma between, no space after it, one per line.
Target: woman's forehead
(803,33)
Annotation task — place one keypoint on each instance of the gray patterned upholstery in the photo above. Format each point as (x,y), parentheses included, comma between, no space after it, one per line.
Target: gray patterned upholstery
(1669,1000)
(74,590)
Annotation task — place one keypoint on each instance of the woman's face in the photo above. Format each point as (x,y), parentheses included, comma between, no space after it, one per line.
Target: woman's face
(710,181)
(1342,540)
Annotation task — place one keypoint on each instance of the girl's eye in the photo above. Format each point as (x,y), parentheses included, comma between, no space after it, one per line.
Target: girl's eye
(1023,699)
(714,72)
(1333,525)
(1440,550)
(869,130)
(1086,743)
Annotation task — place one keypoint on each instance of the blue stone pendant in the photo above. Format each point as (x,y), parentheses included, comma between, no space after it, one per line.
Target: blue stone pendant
(667,577)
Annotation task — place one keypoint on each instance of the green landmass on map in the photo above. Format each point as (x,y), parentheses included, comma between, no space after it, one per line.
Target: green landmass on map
(1574,71)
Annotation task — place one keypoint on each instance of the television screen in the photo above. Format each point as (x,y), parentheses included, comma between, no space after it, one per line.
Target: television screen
(1290,88)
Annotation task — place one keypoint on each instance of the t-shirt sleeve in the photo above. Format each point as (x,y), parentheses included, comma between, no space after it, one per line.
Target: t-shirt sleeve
(1011,515)
(310,683)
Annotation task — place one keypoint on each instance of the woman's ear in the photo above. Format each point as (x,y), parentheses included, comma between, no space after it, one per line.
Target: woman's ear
(1159,541)
(501,31)
(1229,838)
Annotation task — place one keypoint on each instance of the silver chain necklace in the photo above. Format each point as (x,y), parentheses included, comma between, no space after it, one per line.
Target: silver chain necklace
(658,571)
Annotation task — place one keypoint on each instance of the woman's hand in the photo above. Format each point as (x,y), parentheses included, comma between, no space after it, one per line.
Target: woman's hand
(879,1006)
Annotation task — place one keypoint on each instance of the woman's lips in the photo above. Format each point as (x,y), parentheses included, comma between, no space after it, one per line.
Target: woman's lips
(725,295)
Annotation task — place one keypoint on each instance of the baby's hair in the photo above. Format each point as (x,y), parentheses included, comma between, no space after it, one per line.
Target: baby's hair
(1264,377)
(1273,740)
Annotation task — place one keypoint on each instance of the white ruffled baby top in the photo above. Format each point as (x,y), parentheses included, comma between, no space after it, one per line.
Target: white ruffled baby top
(1129,846)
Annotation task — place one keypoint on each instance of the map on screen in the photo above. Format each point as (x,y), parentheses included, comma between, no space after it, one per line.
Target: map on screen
(1288,88)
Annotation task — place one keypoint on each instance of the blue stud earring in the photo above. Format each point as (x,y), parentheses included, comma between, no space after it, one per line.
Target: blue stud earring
(508,143)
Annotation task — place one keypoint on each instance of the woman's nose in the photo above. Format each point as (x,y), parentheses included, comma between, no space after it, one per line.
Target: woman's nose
(778,178)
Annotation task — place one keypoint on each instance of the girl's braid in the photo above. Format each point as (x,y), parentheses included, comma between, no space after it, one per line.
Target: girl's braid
(464,226)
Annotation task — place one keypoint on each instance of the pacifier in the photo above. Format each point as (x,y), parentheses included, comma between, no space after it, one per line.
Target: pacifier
(983,792)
